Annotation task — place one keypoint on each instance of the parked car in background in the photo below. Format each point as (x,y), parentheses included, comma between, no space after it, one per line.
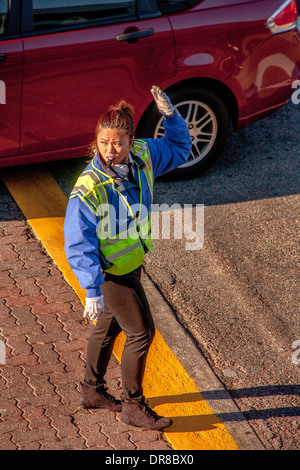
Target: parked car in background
(224,63)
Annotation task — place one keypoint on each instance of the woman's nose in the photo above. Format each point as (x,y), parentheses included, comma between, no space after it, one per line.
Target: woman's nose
(110,148)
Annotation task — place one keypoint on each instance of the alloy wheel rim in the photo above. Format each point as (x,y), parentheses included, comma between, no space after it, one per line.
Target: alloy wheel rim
(202,125)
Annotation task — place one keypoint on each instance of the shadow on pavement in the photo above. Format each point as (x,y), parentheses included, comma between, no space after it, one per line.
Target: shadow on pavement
(194,423)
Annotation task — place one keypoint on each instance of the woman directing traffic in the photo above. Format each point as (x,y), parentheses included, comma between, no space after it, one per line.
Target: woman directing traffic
(107,234)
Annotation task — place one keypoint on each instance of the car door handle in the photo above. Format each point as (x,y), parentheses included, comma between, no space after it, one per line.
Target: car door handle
(3,58)
(132,36)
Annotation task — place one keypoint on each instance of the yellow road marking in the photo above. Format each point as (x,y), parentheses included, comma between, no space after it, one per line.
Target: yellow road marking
(170,390)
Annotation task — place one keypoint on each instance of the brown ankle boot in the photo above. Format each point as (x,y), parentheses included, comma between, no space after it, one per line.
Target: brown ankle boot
(139,414)
(99,399)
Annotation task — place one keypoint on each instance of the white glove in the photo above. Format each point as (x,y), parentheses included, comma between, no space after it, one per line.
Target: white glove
(94,307)
(162,101)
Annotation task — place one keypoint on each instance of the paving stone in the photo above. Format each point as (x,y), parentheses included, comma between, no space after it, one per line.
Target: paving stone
(20,346)
(21,360)
(121,441)
(8,324)
(29,445)
(33,435)
(13,267)
(28,286)
(24,272)
(6,442)
(155,446)
(5,278)
(64,444)
(76,345)
(11,425)
(8,254)
(22,314)
(94,437)
(50,337)
(10,410)
(46,338)
(45,353)
(24,300)
(54,307)
(102,417)
(65,427)
(8,291)
(41,369)
(36,417)
(45,400)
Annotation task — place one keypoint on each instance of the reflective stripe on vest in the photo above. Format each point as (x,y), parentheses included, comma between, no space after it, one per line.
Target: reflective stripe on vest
(125,249)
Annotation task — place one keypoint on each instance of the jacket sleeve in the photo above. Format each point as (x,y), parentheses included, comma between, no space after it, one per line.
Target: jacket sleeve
(173,149)
(82,246)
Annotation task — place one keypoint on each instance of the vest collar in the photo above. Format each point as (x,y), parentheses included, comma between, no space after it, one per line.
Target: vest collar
(133,158)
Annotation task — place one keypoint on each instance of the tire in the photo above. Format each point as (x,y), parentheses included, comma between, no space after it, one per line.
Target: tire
(208,121)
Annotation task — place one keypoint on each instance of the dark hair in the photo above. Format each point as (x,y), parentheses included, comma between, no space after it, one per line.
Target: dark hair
(118,116)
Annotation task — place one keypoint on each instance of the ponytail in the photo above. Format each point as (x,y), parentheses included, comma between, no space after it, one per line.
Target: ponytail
(118,116)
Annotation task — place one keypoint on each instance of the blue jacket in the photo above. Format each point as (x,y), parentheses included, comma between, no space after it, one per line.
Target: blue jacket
(81,241)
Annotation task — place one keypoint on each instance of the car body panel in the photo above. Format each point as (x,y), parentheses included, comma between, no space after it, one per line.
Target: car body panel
(59,83)
(259,68)
(267,77)
(11,77)
(71,78)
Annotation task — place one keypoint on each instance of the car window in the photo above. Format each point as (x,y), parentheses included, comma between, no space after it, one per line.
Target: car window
(174,6)
(3,16)
(58,14)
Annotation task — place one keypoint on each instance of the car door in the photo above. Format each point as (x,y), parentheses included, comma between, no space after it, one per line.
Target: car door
(79,58)
(11,63)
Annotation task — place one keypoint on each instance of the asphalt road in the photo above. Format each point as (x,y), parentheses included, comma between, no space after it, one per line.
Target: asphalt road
(238,296)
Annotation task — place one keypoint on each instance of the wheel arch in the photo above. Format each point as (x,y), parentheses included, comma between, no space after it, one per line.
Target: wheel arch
(214,85)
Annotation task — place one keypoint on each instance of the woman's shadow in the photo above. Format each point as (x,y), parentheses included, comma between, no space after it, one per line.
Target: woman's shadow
(206,422)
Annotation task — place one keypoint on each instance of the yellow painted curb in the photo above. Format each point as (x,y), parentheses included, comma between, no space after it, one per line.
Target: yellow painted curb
(167,386)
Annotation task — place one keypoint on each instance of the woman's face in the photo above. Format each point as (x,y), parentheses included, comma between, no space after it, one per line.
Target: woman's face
(113,144)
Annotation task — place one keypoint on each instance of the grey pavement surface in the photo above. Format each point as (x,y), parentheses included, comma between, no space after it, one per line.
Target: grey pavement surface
(239,295)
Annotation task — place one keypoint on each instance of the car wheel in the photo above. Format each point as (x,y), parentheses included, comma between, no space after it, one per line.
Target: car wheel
(208,121)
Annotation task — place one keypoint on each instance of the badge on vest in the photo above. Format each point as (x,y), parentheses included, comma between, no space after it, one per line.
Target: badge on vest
(121,187)
(125,185)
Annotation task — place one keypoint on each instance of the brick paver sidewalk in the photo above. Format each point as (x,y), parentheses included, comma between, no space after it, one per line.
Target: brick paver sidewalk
(45,341)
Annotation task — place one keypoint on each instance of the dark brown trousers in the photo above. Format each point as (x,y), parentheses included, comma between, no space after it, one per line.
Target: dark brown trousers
(126,309)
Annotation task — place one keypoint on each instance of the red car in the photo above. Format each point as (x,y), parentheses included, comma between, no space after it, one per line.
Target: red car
(62,62)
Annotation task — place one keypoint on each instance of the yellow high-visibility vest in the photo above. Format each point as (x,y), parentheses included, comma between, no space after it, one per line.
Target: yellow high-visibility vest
(121,244)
